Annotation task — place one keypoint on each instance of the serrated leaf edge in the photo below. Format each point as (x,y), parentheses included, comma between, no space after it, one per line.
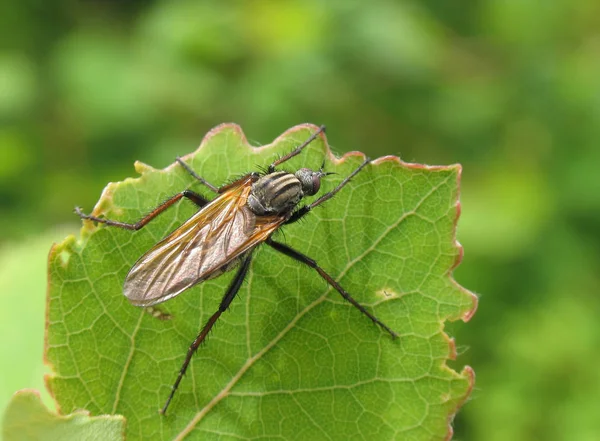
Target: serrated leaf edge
(142,169)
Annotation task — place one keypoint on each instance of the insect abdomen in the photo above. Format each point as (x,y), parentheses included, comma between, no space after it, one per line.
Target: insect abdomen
(275,193)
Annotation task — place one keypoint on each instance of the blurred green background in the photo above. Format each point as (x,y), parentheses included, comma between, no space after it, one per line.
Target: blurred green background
(510,89)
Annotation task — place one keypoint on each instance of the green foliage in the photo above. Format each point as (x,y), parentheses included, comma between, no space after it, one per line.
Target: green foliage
(291,359)
(27,419)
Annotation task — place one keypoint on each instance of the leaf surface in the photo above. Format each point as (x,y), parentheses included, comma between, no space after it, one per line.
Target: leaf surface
(27,419)
(290,359)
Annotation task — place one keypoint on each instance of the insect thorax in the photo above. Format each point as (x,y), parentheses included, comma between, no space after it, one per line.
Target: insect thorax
(275,193)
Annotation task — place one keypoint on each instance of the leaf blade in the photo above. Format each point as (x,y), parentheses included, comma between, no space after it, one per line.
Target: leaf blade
(289,341)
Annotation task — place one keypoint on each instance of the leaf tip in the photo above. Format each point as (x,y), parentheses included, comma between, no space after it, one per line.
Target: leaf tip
(224,128)
(299,128)
(309,127)
(468,314)
(142,168)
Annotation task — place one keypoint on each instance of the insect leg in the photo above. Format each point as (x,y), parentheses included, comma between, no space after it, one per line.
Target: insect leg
(311,263)
(233,289)
(196,176)
(194,197)
(297,150)
(302,211)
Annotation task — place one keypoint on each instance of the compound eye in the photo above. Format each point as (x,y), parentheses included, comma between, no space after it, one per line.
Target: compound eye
(310,181)
(316,183)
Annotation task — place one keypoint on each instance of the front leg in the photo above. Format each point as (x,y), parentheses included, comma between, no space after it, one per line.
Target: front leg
(196,176)
(303,211)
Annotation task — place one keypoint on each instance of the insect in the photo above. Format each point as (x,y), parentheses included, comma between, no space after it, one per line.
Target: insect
(222,235)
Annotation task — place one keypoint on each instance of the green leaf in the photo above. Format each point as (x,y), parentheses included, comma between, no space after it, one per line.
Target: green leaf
(27,419)
(290,359)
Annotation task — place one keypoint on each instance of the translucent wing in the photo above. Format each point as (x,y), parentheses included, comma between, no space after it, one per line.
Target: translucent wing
(206,245)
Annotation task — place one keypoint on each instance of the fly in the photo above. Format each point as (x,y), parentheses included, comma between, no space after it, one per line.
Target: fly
(222,235)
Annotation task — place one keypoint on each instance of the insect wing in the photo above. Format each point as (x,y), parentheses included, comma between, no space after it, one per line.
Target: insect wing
(207,244)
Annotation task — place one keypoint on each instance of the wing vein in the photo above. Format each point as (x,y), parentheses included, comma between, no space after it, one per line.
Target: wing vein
(208,243)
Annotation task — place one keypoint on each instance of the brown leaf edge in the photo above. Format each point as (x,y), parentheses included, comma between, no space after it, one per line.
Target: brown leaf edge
(468,313)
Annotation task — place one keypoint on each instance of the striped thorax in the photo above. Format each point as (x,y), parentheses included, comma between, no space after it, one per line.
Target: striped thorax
(280,192)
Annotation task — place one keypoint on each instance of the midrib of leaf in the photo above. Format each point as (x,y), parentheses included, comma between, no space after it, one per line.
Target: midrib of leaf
(225,392)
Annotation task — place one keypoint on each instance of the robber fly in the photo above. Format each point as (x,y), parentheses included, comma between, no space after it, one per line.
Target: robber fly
(222,236)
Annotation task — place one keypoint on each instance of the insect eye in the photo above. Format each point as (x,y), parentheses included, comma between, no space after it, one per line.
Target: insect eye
(309,180)
(316,183)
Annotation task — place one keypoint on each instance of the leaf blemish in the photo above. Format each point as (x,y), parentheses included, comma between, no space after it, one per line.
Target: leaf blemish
(387,294)
(64,258)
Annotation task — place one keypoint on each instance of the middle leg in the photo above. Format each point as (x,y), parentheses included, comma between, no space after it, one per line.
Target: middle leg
(230,294)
